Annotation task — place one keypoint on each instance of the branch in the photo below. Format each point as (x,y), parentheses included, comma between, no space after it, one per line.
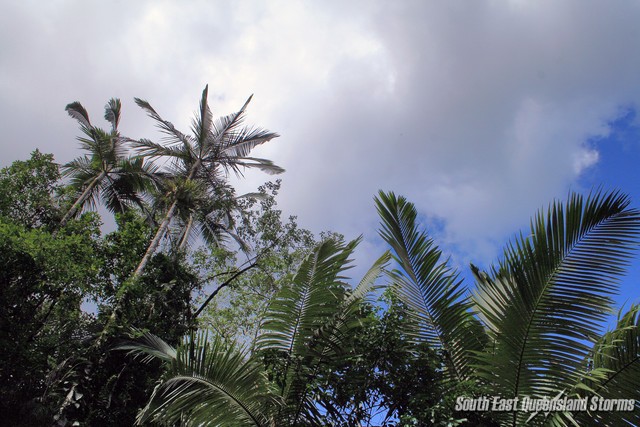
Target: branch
(223,285)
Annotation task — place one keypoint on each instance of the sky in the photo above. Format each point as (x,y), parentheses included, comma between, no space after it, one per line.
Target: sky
(479,112)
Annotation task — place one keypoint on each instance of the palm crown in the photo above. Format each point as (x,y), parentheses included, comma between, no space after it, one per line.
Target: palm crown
(106,172)
(199,164)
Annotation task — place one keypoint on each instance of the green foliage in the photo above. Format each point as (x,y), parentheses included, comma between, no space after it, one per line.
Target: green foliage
(541,308)
(277,249)
(41,321)
(307,323)
(387,377)
(27,189)
(118,386)
(122,249)
(614,368)
(207,382)
(430,288)
(290,342)
(50,370)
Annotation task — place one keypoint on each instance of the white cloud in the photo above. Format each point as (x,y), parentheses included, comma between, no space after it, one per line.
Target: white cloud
(479,112)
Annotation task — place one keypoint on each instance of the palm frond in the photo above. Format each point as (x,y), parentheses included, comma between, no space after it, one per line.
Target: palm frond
(202,122)
(208,382)
(225,126)
(264,165)
(165,126)
(147,346)
(112,113)
(142,176)
(148,148)
(104,147)
(117,194)
(429,287)
(297,311)
(80,166)
(216,233)
(552,291)
(253,195)
(241,143)
(79,113)
(330,337)
(305,324)
(615,358)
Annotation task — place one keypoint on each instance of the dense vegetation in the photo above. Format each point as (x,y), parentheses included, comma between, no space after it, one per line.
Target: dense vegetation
(204,307)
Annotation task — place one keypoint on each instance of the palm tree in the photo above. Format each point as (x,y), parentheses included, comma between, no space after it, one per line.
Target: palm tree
(106,172)
(532,327)
(200,163)
(212,382)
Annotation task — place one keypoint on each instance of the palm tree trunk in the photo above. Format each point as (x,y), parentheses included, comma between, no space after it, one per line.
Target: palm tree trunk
(81,200)
(153,246)
(156,240)
(162,229)
(120,299)
(185,234)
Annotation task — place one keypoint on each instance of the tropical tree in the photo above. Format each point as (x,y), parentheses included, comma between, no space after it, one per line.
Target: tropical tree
(532,327)
(106,172)
(199,164)
(43,282)
(214,382)
(244,282)
(27,190)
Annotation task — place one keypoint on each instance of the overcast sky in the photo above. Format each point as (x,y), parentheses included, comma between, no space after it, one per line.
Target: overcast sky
(480,111)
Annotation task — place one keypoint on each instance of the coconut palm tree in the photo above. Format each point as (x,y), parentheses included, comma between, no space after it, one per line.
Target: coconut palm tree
(201,162)
(212,382)
(532,327)
(105,173)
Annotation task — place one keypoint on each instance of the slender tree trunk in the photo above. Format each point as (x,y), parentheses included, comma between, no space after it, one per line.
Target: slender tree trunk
(185,235)
(153,246)
(122,294)
(81,200)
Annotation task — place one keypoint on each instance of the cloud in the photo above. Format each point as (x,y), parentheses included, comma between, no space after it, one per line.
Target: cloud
(479,112)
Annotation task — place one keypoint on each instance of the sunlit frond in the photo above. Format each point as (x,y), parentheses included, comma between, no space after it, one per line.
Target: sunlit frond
(552,292)
(148,346)
(429,287)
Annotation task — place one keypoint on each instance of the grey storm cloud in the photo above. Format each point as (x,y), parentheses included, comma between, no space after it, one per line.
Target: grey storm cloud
(480,112)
